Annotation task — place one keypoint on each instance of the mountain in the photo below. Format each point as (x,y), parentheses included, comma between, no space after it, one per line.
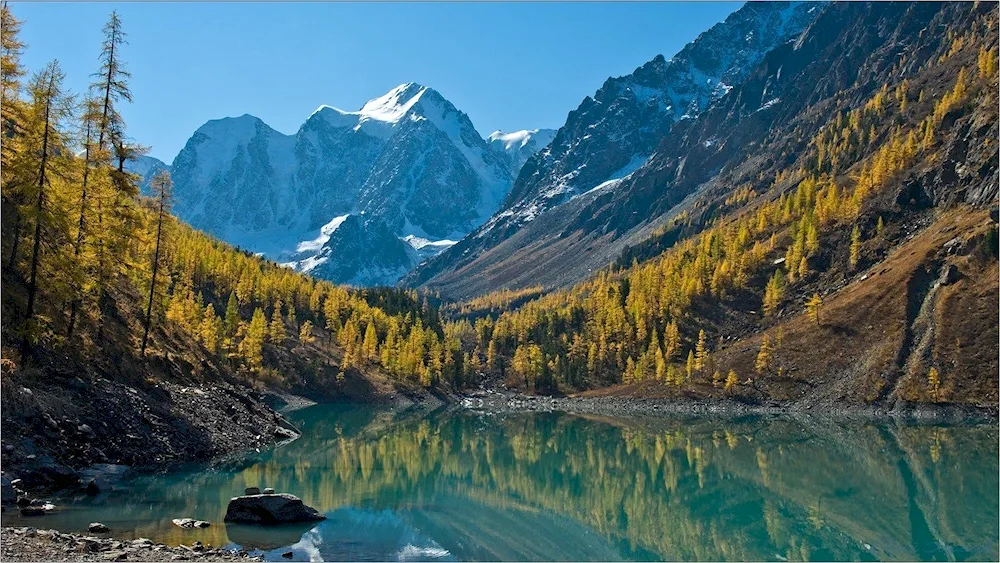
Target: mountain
(357,197)
(824,234)
(613,133)
(146,167)
(519,146)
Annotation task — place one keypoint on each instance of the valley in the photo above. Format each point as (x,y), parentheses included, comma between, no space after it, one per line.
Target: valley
(785,234)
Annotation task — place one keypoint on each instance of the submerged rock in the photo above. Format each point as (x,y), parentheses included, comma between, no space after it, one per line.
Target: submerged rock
(270,509)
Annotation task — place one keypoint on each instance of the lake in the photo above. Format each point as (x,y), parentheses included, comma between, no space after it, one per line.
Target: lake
(455,485)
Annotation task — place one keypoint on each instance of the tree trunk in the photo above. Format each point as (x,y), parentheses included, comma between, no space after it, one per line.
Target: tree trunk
(75,305)
(152,285)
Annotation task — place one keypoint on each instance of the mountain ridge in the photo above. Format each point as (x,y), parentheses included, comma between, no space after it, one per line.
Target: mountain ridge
(408,166)
(613,132)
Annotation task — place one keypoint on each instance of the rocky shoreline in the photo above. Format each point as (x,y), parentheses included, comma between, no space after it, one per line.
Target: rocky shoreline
(504,402)
(30,544)
(53,431)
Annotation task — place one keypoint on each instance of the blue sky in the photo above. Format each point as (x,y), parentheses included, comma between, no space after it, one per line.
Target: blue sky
(509,66)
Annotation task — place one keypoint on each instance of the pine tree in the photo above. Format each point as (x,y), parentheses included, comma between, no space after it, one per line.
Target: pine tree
(252,345)
(113,216)
(11,71)
(162,188)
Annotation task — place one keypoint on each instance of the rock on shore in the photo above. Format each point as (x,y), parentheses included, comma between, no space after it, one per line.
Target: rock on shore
(29,544)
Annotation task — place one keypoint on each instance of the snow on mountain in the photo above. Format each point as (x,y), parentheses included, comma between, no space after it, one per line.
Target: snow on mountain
(146,167)
(627,116)
(616,131)
(406,167)
(519,146)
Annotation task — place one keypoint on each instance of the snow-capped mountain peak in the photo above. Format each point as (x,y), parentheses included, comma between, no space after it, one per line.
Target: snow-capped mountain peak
(339,196)
(386,110)
(516,140)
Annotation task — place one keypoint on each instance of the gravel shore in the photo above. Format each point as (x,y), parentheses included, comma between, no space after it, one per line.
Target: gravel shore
(29,544)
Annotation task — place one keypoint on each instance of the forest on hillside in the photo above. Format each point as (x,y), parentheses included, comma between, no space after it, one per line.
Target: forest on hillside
(94,272)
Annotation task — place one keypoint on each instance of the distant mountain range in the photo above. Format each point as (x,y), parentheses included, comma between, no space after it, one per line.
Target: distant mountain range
(357,197)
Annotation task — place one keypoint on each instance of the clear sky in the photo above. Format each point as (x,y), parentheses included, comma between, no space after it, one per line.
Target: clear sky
(509,66)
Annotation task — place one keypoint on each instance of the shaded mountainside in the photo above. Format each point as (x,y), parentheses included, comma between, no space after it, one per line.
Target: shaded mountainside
(852,174)
(762,127)
(612,134)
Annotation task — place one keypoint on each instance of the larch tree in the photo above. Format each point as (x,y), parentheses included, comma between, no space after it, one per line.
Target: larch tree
(305,333)
(855,247)
(11,116)
(162,187)
(764,356)
(812,307)
(701,352)
(47,159)
(110,88)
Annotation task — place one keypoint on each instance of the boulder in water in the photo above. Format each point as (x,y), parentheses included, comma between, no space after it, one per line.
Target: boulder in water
(251,491)
(190,523)
(270,509)
(97,528)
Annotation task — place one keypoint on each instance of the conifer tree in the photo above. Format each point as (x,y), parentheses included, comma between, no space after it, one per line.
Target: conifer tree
(855,247)
(47,160)
(276,329)
(305,333)
(934,381)
(370,344)
(813,305)
(764,356)
(731,381)
(232,319)
(103,120)
(701,352)
(162,188)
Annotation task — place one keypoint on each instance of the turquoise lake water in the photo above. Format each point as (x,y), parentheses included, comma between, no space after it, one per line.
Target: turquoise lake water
(454,485)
